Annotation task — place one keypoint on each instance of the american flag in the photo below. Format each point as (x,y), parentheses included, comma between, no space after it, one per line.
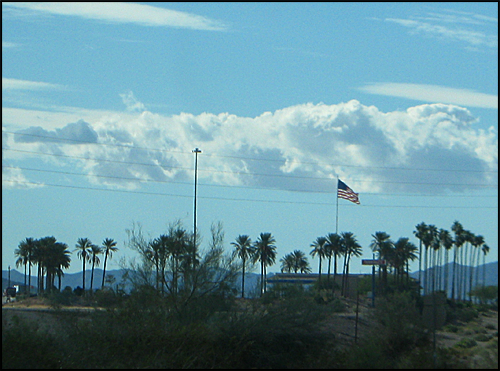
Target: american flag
(343,191)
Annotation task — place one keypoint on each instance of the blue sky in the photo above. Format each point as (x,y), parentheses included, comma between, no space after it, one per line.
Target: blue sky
(103,103)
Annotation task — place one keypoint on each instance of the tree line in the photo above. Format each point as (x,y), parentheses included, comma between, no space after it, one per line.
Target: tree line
(174,257)
(51,257)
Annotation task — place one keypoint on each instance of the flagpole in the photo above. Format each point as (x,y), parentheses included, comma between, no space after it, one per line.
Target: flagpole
(337,213)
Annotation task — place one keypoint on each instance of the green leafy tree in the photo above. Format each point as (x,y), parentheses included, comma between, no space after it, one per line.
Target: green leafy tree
(243,250)
(108,248)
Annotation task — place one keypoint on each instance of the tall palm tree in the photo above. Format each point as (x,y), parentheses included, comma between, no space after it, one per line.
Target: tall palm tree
(446,242)
(58,258)
(432,241)
(485,249)
(458,241)
(244,250)
(334,246)
(265,253)
(108,248)
(23,257)
(95,251)
(420,232)
(476,242)
(84,251)
(351,247)
(469,237)
(383,245)
(319,249)
(479,243)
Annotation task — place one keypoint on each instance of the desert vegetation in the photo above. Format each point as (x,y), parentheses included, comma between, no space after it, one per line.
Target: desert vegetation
(185,310)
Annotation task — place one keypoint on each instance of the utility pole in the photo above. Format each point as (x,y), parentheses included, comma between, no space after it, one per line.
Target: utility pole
(195,151)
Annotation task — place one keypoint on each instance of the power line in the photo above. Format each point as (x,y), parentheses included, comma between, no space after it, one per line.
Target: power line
(239,172)
(235,186)
(246,158)
(246,199)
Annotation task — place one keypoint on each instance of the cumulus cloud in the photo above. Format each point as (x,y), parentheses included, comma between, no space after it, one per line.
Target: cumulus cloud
(131,102)
(427,148)
(80,131)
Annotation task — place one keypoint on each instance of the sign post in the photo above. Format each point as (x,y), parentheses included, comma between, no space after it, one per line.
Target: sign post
(373,263)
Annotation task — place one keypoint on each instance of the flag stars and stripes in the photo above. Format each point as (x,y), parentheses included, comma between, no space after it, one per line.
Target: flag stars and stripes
(343,191)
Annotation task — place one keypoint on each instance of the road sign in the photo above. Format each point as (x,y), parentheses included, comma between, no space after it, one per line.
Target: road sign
(373,262)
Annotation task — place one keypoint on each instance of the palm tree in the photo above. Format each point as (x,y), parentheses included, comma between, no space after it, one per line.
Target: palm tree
(404,251)
(23,254)
(83,248)
(476,242)
(431,240)
(446,242)
(95,250)
(485,249)
(458,241)
(108,248)
(244,250)
(295,262)
(319,249)
(58,258)
(479,243)
(287,263)
(351,247)
(383,245)
(334,246)
(265,252)
(419,233)
(300,262)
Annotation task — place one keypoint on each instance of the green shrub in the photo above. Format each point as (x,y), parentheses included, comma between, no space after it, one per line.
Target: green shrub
(466,343)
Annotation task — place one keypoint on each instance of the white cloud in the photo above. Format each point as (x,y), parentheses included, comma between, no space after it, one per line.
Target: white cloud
(466,28)
(116,12)
(15,84)
(433,94)
(131,102)
(303,147)
(6,44)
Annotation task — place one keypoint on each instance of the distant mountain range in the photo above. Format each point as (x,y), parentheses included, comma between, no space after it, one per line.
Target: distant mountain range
(490,274)
(74,280)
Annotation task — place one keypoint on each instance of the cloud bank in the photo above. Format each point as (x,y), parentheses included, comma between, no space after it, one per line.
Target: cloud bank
(427,148)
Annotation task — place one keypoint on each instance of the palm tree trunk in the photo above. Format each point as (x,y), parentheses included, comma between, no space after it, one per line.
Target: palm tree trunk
(104,272)
(83,259)
(92,275)
(243,281)
(454,273)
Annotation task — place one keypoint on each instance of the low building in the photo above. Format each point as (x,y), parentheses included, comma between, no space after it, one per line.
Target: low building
(308,279)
